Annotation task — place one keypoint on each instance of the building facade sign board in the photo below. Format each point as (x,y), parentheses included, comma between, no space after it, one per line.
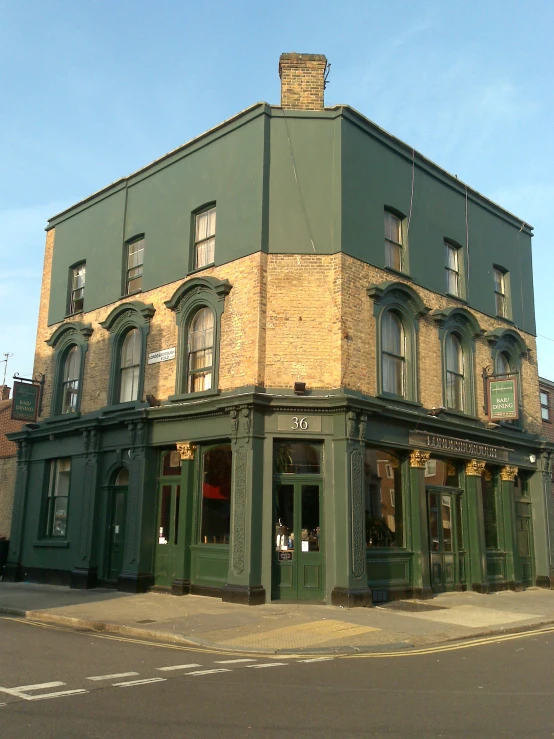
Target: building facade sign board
(162,356)
(299,423)
(26,399)
(503,399)
(457,447)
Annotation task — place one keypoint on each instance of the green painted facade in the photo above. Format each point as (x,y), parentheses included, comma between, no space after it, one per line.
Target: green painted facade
(293,183)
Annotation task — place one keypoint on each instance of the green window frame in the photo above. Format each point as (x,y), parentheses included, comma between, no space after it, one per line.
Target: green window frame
(191,297)
(502,301)
(458,329)
(454,268)
(57,499)
(127,369)
(397,308)
(545,405)
(70,344)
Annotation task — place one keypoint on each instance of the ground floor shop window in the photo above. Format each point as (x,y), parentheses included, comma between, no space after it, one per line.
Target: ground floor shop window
(442,472)
(488,487)
(216,495)
(297,458)
(57,500)
(383,499)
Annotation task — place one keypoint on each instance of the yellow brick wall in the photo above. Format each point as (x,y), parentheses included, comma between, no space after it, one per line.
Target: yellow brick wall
(287,318)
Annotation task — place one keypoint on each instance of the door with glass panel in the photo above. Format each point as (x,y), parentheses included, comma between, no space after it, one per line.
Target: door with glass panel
(298,545)
(167,521)
(445,540)
(118,512)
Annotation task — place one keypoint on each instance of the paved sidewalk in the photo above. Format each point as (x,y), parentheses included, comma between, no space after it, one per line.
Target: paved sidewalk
(281,628)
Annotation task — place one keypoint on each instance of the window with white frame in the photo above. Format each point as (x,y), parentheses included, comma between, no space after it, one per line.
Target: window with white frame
(70,382)
(135,261)
(200,351)
(452,268)
(545,407)
(57,499)
(204,238)
(500,292)
(394,246)
(77,291)
(130,366)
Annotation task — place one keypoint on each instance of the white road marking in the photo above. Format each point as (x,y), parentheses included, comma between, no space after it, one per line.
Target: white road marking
(20,692)
(316,659)
(208,672)
(232,661)
(112,677)
(177,667)
(268,664)
(55,695)
(139,682)
(38,686)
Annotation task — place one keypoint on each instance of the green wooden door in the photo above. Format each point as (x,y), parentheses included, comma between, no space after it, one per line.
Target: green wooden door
(117,532)
(168,548)
(445,540)
(298,556)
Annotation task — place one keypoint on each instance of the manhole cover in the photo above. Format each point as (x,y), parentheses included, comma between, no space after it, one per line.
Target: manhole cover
(410,605)
(145,621)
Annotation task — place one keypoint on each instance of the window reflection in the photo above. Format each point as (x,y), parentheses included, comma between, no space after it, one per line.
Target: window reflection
(442,472)
(297,457)
(383,499)
(216,495)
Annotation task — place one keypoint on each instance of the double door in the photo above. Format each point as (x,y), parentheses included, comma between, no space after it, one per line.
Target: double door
(298,545)
(445,540)
(167,533)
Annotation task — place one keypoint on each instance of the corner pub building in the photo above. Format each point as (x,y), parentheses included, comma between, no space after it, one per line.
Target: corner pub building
(263,358)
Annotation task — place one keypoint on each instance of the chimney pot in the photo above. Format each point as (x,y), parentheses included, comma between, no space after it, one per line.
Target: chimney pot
(4,392)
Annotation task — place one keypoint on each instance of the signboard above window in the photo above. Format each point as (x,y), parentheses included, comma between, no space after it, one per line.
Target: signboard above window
(503,399)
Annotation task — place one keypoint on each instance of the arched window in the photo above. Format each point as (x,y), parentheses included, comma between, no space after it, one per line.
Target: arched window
(70,383)
(130,366)
(393,355)
(503,364)
(454,373)
(200,351)
(122,477)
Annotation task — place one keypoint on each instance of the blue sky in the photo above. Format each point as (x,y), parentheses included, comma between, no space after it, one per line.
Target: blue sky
(92,90)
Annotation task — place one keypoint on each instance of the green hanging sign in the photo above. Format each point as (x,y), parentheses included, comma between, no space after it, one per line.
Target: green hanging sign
(503,399)
(25,401)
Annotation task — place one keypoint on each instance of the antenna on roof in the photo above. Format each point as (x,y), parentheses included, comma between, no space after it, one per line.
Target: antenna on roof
(7,355)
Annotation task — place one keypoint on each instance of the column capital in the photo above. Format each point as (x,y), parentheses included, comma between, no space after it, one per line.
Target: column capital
(475,467)
(187,450)
(419,459)
(508,473)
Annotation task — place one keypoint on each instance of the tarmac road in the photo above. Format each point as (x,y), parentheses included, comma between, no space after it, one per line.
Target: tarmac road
(58,684)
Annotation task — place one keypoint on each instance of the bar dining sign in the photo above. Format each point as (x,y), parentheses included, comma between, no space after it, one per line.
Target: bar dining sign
(503,399)
(25,403)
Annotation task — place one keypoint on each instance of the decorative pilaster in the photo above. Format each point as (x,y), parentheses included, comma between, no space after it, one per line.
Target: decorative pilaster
(12,568)
(508,473)
(476,533)
(418,523)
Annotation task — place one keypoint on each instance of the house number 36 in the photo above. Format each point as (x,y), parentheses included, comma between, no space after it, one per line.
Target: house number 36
(299,423)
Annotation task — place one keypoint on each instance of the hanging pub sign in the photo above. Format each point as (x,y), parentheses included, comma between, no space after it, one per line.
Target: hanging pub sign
(25,401)
(502,396)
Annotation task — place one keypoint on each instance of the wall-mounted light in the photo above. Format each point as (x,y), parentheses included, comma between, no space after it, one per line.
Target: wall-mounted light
(436,411)
(299,388)
(532,458)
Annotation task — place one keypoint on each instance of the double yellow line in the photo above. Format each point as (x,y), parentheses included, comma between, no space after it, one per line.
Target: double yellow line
(432,649)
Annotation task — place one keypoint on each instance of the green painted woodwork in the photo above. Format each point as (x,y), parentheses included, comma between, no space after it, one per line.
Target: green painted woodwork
(64,338)
(446,560)
(299,182)
(475,536)
(169,547)
(118,504)
(417,527)
(302,577)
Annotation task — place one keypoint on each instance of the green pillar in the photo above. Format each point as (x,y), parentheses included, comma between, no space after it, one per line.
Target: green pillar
(477,580)
(12,571)
(180,585)
(507,476)
(85,569)
(540,492)
(350,588)
(245,546)
(418,525)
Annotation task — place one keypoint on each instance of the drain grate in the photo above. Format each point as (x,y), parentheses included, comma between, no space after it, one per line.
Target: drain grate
(146,621)
(411,605)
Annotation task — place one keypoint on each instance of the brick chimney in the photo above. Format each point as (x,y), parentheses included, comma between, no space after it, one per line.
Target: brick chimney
(4,392)
(302,81)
